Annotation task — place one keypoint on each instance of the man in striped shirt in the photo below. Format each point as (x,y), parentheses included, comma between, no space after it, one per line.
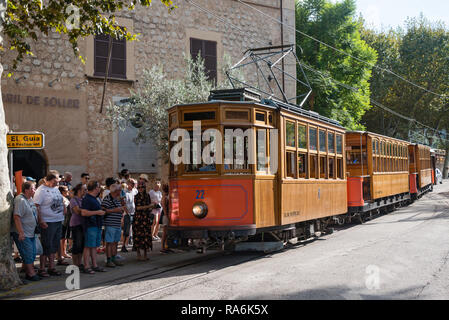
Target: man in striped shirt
(112,222)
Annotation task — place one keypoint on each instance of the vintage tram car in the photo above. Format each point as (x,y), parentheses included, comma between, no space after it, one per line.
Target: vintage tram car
(378,172)
(231,201)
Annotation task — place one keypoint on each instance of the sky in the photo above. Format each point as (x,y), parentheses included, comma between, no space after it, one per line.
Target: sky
(392,13)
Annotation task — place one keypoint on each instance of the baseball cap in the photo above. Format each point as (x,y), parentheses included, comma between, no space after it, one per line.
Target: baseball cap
(30,179)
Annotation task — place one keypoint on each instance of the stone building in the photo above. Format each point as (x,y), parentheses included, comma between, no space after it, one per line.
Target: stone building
(55,93)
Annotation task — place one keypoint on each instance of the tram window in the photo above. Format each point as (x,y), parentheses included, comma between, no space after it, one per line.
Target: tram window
(354,156)
(200,167)
(302,165)
(290,134)
(313,167)
(261,145)
(375,161)
(330,142)
(322,141)
(290,167)
(205,115)
(260,116)
(236,141)
(302,137)
(339,144)
(237,115)
(270,118)
(323,167)
(312,139)
(340,168)
(331,168)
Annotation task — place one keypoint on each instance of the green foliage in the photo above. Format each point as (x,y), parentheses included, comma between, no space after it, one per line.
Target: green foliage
(147,106)
(418,53)
(335,24)
(25,20)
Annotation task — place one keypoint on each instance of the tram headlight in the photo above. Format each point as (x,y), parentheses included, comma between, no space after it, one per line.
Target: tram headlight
(199,210)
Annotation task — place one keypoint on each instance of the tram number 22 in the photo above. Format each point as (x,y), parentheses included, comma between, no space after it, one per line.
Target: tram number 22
(199,194)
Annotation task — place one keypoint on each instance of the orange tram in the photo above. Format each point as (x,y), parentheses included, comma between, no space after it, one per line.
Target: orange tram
(324,175)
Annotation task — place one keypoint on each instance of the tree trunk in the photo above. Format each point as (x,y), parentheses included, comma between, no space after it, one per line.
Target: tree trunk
(9,277)
(446,162)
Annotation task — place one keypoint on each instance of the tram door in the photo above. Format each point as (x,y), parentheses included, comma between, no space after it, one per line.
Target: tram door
(32,162)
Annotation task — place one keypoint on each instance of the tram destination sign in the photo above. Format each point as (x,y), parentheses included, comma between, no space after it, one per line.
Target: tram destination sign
(25,140)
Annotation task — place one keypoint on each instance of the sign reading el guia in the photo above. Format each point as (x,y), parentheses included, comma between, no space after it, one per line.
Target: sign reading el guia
(25,140)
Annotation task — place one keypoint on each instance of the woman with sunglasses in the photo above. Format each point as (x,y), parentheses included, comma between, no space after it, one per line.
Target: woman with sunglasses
(142,237)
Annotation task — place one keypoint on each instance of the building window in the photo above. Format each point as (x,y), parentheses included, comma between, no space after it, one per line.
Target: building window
(208,52)
(117,64)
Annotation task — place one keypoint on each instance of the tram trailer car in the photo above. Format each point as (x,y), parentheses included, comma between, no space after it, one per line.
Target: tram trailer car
(420,169)
(234,201)
(378,173)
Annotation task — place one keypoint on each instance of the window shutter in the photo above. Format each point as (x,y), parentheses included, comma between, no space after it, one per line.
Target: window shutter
(117,65)
(208,51)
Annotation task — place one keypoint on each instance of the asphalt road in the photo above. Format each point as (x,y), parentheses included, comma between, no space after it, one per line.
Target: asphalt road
(402,255)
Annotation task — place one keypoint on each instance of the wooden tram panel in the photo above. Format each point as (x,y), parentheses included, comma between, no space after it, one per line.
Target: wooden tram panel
(312,195)
(377,166)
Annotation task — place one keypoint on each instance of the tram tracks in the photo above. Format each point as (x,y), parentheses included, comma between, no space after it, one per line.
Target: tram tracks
(170,277)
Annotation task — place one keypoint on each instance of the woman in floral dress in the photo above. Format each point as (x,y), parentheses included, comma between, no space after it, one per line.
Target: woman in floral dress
(142,238)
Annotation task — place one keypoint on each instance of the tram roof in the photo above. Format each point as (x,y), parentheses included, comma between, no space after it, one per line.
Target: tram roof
(272,104)
(383,136)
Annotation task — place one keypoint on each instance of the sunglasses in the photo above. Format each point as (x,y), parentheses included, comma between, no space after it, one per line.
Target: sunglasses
(141,187)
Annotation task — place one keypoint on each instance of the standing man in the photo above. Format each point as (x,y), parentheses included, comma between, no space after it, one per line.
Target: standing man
(85,178)
(113,222)
(25,222)
(91,210)
(51,212)
(67,180)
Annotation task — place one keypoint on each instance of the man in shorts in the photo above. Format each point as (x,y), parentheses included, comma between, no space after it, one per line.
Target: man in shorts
(111,204)
(51,211)
(91,210)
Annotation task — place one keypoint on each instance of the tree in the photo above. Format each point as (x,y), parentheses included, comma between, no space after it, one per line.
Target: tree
(419,54)
(158,93)
(22,23)
(335,25)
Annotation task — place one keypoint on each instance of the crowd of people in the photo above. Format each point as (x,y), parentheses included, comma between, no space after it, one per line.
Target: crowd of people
(57,221)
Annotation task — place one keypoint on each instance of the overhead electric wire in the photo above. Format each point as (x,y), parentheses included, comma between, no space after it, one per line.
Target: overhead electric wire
(343,52)
(346,86)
